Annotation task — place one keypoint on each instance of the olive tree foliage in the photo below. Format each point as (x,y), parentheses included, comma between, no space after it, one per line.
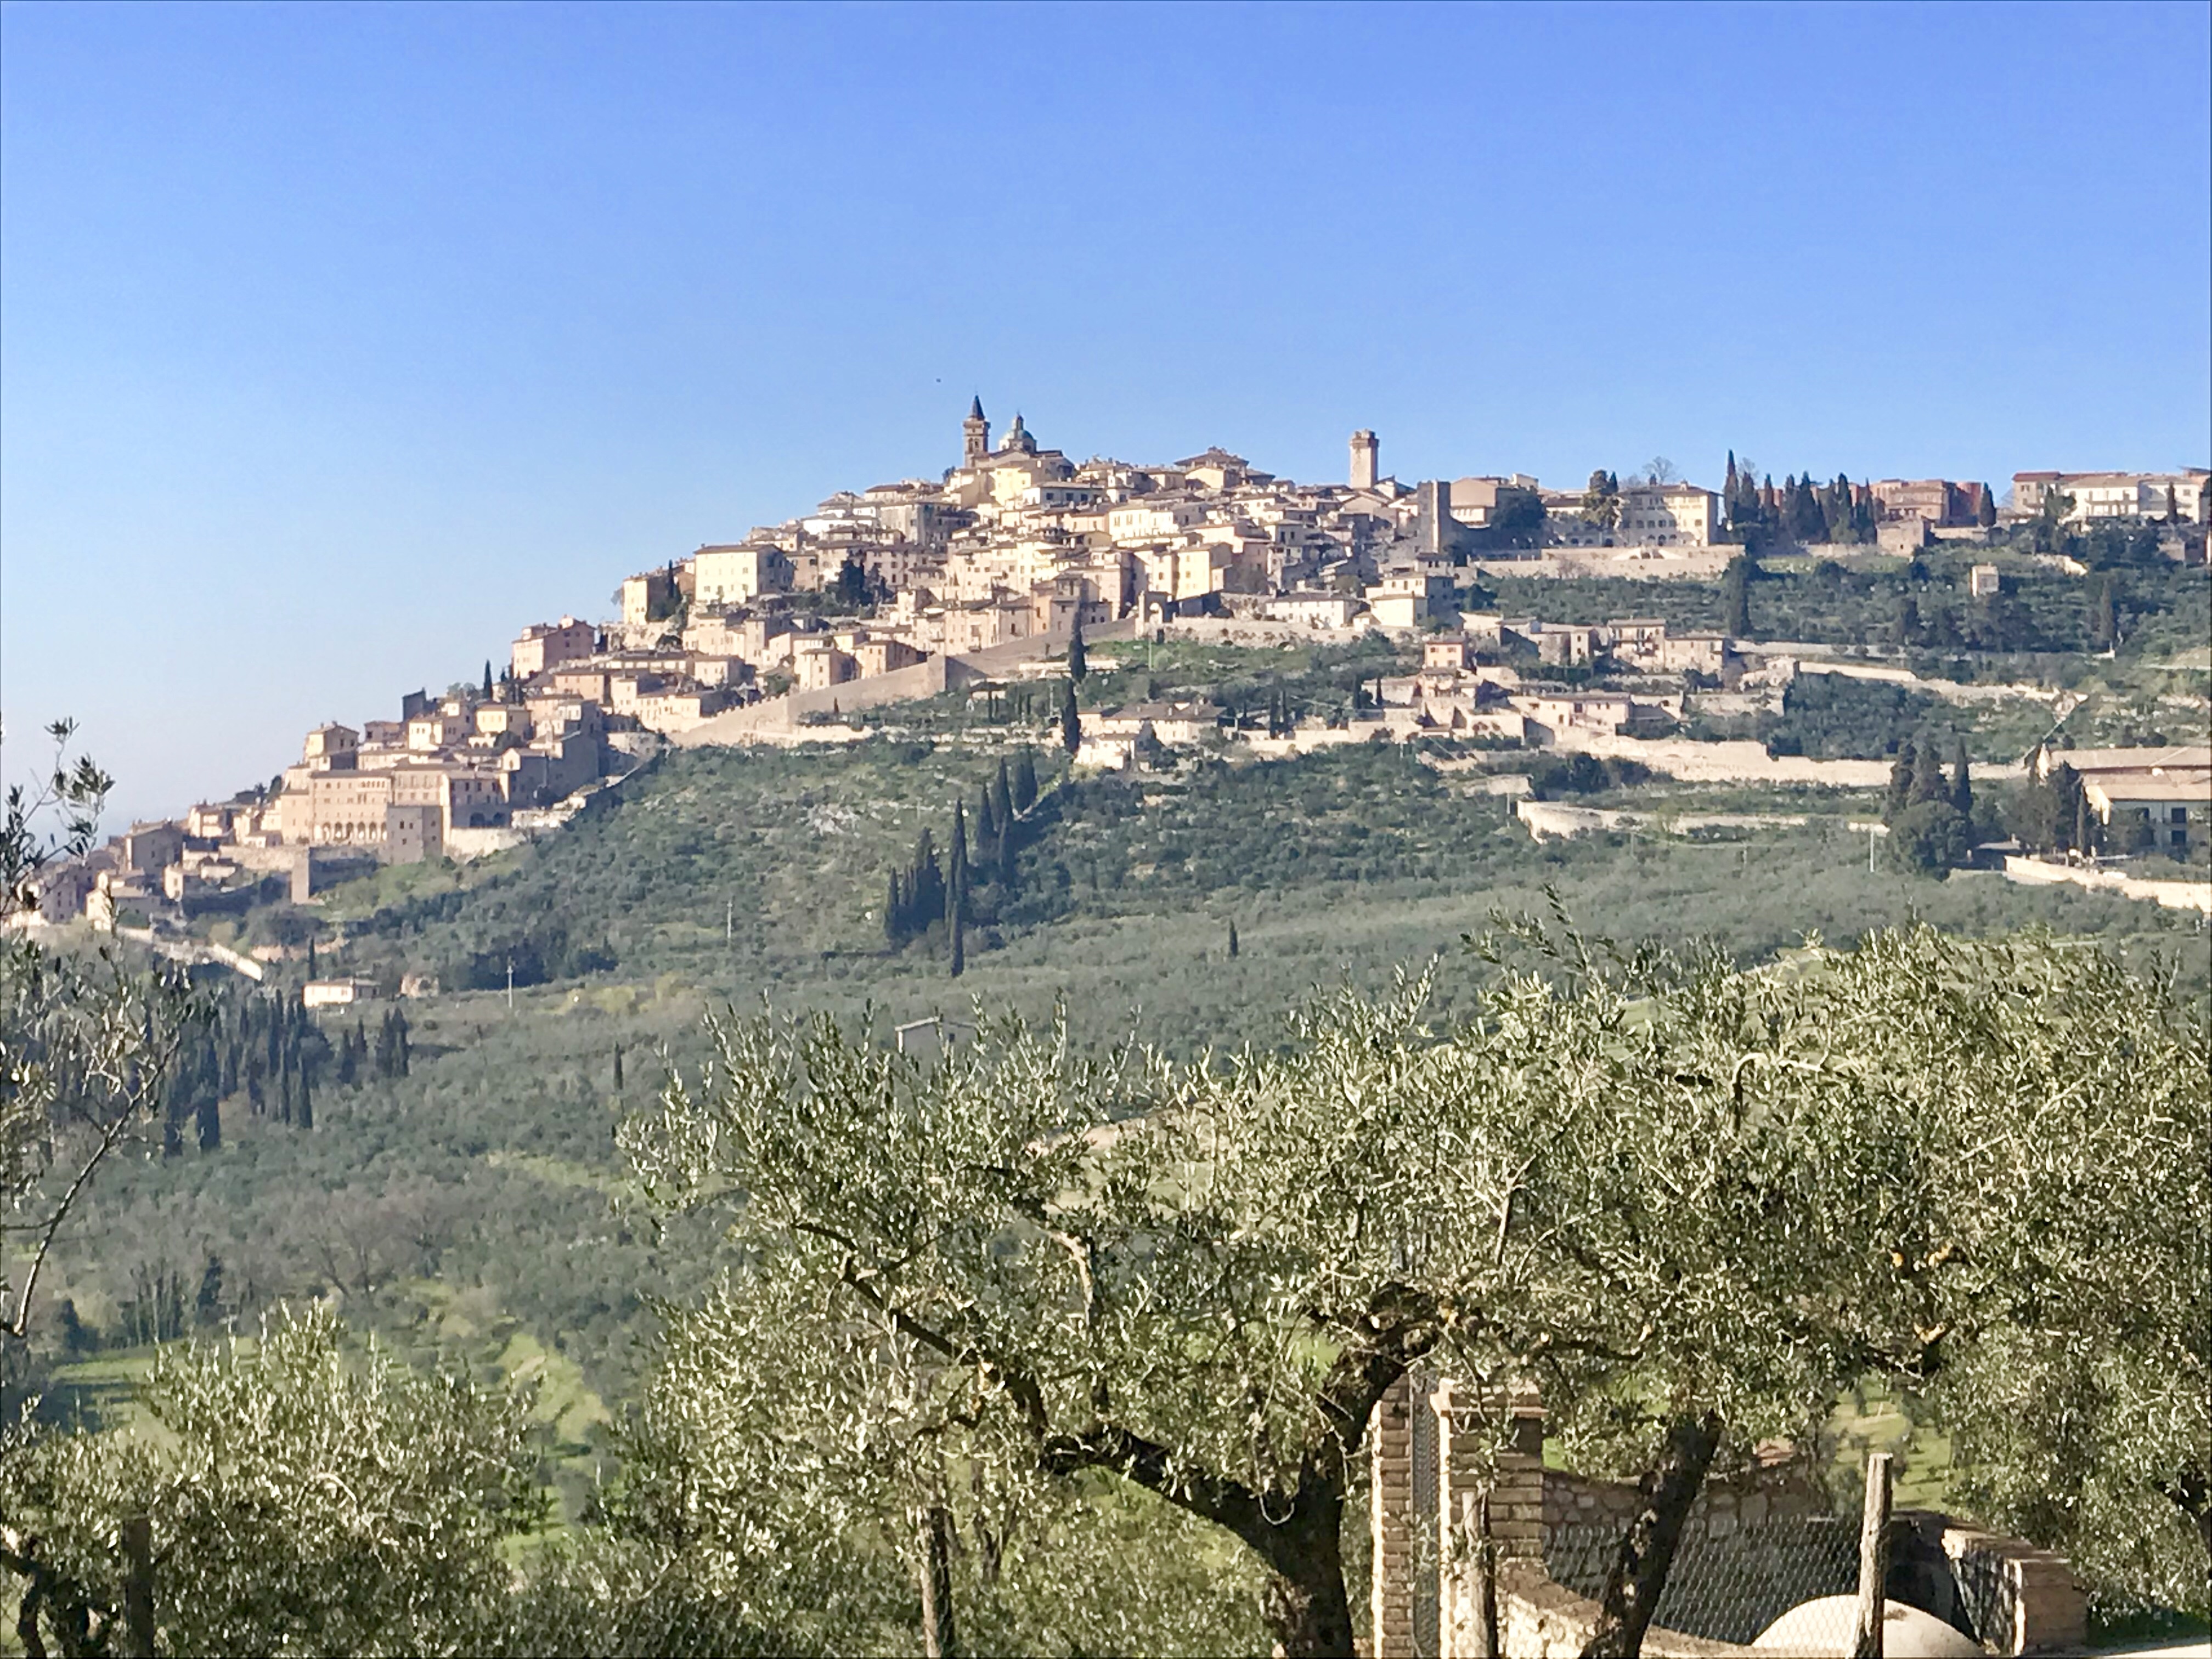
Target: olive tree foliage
(1654,1187)
(86,1039)
(1697,1246)
(1191,1278)
(795,1461)
(2067,1114)
(304,1495)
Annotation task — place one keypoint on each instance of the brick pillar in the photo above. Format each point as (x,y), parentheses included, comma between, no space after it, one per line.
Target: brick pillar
(1390,1449)
(1466,1467)
(1516,1503)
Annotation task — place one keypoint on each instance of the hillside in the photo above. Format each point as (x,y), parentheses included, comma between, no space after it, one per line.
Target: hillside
(474,1206)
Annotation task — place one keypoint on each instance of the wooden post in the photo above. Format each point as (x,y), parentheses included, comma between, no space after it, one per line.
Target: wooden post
(138,1588)
(1484,1566)
(1874,1559)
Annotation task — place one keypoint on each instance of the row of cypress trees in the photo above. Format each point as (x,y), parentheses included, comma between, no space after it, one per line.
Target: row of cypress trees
(270,1052)
(931,892)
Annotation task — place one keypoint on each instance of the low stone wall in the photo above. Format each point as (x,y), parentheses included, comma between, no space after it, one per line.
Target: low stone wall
(2173,895)
(1769,1539)
(462,845)
(1538,1619)
(1750,1498)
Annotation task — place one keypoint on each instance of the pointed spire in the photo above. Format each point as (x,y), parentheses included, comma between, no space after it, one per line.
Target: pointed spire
(975,408)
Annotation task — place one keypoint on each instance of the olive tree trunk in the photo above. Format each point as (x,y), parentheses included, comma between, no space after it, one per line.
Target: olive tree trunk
(1639,1570)
(1306,1609)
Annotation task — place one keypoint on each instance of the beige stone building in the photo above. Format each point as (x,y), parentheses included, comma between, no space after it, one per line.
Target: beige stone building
(346,809)
(547,645)
(739,575)
(2171,788)
(647,596)
(1667,515)
(2103,496)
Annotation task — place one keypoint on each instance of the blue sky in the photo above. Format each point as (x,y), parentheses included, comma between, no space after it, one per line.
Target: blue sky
(337,343)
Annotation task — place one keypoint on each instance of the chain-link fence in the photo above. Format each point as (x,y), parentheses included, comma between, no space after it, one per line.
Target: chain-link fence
(1726,1589)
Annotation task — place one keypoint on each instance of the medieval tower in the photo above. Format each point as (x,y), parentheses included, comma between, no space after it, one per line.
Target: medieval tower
(1366,453)
(975,435)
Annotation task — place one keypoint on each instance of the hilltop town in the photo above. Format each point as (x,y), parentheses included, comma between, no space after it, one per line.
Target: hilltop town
(990,574)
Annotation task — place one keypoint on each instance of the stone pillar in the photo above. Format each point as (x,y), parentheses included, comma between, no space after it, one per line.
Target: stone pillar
(1390,1452)
(1514,1479)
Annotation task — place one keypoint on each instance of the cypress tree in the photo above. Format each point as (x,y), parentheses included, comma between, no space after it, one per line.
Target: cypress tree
(925,884)
(959,946)
(284,1091)
(399,1029)
(1078,663)
(306,1102)
(1002,797)
(1736,598)
(986,828)
(1007,870)
(2105,622)
(894,910)
(1232,926)
(207,1306)
(1026,783)
(1962,786)
(1928,780)
(618,1074)
(1901,782)
(210,1124)
(1070,722)
(2085,826)
(956,871)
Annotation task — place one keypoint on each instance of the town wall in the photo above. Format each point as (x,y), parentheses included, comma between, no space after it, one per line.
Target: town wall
(781,718)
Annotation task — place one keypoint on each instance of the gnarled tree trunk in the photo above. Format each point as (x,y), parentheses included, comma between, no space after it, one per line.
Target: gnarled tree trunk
(1646,1548)
(1307,1611)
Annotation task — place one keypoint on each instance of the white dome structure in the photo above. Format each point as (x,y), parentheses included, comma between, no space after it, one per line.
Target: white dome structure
(1822,1628)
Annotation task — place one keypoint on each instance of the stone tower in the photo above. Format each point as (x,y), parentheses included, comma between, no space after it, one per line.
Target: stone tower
(1366,453)
(975,435)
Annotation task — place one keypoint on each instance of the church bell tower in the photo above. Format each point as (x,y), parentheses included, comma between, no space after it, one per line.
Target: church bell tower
(975,435)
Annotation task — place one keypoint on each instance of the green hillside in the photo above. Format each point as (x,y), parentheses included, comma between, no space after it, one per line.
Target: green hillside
(738,875)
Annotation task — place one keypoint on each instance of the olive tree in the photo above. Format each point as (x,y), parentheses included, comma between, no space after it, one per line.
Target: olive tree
(1650,1189)
(300,1497)
(86,1039)
(2066,1106)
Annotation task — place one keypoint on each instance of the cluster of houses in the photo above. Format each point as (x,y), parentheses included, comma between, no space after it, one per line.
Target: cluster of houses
(450,775)
(1015,543)
(1018,541)
(1483,681)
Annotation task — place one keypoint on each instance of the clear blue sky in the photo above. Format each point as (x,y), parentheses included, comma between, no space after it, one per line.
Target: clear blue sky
(337,343)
